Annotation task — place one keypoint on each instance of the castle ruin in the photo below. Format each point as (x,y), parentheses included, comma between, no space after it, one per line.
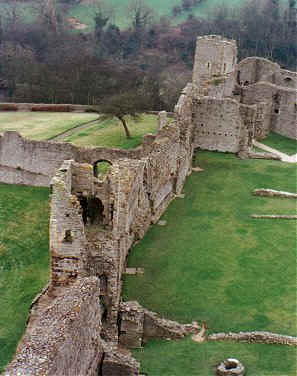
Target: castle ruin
(79,325)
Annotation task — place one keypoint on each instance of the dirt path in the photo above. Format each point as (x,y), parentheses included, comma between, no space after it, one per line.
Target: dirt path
(284,157)
(69,132)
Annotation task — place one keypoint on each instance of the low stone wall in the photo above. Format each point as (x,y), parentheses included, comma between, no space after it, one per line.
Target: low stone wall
(273,193)
(43,107)
(138,325)
(255,337)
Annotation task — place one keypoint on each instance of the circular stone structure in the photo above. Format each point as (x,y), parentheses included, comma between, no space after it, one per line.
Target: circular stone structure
(230,367)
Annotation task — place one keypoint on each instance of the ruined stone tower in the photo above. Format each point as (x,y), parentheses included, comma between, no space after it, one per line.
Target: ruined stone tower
(215,60)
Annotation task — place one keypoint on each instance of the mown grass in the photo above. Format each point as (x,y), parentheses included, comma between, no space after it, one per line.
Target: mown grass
(24,259)
(110,133)
(281,143)
(187,358)
(213,263)
(41,125)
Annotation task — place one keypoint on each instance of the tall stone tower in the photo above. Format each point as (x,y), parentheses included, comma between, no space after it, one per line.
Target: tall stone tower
(215,58)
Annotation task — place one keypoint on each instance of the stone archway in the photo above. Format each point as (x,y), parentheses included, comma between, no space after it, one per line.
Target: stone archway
(101,168)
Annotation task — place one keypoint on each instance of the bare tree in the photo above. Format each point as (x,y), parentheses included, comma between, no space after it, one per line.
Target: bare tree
(141,15)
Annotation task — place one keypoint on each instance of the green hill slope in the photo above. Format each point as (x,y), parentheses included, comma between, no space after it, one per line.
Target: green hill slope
(84,11)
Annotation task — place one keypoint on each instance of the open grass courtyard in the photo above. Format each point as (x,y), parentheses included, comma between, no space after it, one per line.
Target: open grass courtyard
(42,125)
(110,133)
(213,263)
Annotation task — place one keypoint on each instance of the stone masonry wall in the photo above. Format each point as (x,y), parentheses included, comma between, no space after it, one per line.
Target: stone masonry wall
(214,66)
(93,225)
(29,162)
(65,338)
(255,69)
(138,325)
(133,195)
(77,321)
(283,106)
(221,125)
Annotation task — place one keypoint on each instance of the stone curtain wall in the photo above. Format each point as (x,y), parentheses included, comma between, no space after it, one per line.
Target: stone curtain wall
(88,256)
(223,124)
(132,196)
(264,81)
(256,69)
(29,162)
(65,338)
(282,101)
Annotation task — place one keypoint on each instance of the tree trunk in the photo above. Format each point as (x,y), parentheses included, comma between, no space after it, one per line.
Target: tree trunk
(128,135)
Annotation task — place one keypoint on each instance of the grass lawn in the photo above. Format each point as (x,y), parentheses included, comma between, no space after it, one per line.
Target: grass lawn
(284,144)
(110,133)
(41,125)
(24,259)
(213,263)
(178,358)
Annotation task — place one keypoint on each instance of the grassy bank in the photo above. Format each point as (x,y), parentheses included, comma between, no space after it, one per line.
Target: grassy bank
(24,259)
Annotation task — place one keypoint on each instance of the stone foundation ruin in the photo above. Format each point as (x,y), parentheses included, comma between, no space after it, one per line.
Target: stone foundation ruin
(79,325)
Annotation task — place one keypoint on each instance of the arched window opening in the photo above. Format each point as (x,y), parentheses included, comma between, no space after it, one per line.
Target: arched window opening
(101,168)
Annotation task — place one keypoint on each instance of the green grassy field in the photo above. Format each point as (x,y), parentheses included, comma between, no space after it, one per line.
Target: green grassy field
(281,143)
(24,259)
(177,358)
(85,11)
(213,263)
(41,125)
(110,133)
